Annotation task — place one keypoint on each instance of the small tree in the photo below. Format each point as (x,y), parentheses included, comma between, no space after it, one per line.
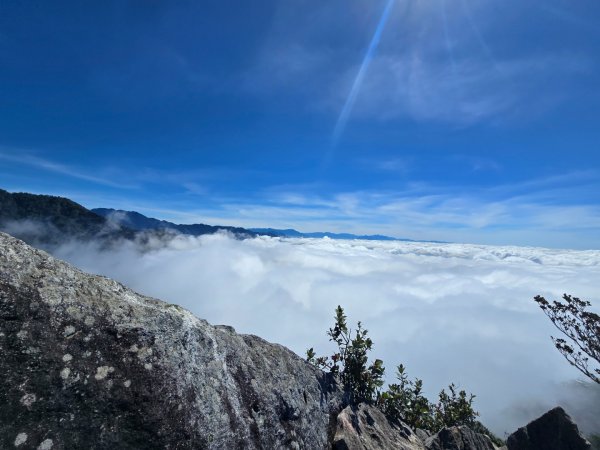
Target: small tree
(454,409)
(405,401)
(350,361)
(582,327)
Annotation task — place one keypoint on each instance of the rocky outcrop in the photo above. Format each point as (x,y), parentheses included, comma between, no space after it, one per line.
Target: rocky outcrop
(555,430)
(365,427)
(459,438)
(88,363)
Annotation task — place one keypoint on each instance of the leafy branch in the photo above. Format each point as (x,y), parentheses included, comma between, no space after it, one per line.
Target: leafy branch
(581,326)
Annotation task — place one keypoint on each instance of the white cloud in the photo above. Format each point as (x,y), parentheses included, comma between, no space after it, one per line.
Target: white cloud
(468,90)
(399,165)
(24,158)
(449,312)
(555,212)
(437,61)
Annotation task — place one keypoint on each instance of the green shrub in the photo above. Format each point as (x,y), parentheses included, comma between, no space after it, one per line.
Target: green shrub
(405,401)
(350,361)
(401,401)
(454,409)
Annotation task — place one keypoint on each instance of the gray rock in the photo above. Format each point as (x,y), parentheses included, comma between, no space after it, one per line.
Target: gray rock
(459,438)
(422,434)
(555,430)
(88,363)
(366,428)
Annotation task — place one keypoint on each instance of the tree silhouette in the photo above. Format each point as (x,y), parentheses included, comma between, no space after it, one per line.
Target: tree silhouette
(582,327)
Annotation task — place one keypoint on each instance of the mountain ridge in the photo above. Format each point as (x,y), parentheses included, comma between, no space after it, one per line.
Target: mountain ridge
(140,222)
(293,233)
(61,219)
(46,221)
(50,220)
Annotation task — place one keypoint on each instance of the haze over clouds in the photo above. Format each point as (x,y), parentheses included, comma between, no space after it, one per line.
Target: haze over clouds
(449,312)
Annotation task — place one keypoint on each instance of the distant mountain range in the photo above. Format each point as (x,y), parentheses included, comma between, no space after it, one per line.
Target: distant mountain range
(291,233)
(45,220)
(136,221)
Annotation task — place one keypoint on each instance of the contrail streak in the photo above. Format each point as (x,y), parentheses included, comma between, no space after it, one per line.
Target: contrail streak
(347,109)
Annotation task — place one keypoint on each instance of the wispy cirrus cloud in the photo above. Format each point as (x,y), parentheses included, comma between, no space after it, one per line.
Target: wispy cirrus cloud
(46,165)
(463,93)
(435,63)
(185,182)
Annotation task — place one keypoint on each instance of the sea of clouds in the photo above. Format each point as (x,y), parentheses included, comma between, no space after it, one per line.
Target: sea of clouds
(449,312)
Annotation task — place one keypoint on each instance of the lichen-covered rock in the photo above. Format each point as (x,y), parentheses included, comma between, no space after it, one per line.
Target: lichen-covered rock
(366,428)
(459,438)
(87,363)
(554,430)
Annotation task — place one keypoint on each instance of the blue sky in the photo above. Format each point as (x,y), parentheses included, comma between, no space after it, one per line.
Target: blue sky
(469,121)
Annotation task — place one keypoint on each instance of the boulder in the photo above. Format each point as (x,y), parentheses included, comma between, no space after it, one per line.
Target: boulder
(422,434)
(459,438)
(365,427)
(88,363)
(555,430)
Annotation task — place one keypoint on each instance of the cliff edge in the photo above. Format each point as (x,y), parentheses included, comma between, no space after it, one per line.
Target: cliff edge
(88,363)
